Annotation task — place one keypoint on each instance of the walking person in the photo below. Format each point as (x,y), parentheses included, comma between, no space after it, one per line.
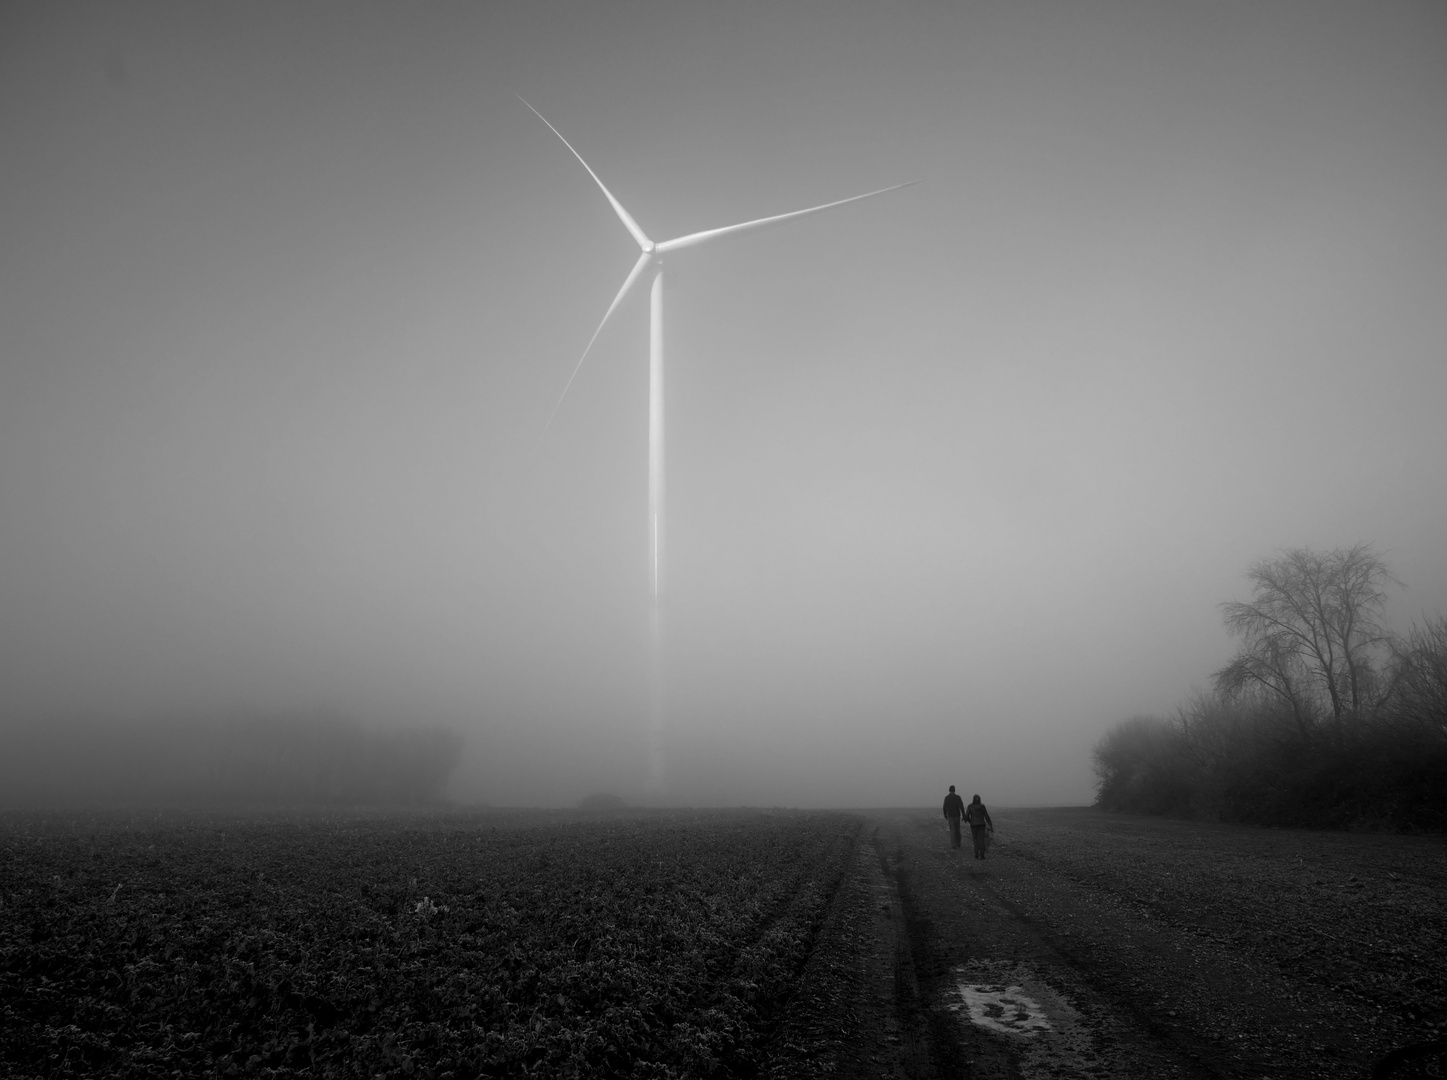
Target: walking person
(954,810)
(979,819)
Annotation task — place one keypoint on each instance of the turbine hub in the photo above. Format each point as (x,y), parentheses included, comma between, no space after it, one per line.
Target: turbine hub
(648,247)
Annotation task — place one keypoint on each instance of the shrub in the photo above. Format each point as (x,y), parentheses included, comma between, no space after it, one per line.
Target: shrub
(1142,766)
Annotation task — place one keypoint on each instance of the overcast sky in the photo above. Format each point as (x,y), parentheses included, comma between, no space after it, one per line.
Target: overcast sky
(957,476)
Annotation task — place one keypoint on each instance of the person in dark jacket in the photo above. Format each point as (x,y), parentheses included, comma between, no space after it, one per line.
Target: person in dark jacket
(979,819)
(954,810)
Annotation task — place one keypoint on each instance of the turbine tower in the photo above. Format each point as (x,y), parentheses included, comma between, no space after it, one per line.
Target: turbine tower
(650,261)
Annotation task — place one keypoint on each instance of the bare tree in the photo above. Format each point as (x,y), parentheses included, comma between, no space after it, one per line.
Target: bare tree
(1419,683)
(1311,632)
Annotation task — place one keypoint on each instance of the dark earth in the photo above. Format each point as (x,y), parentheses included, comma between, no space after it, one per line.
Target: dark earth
(748,943)
(1154,948)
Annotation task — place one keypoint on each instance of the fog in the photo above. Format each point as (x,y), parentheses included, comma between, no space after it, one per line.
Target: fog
(957,476)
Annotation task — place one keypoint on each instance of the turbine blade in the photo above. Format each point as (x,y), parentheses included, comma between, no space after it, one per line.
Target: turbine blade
(623,215)
(699,237)
(643,260)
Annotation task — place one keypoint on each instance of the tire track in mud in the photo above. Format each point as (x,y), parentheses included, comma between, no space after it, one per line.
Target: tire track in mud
(998,994)
(852,1017)
(1057,958)
(1077,949)
(883,995)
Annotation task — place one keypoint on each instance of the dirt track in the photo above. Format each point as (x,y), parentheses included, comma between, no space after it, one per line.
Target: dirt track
(1093,945)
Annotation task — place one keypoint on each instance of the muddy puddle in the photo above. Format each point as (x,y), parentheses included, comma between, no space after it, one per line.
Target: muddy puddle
(1009,1001)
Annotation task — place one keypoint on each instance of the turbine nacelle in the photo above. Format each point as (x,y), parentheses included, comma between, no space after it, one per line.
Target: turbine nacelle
(652,251)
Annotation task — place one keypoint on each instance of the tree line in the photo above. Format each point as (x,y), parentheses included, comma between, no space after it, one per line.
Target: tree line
(1324,717)
(241,760)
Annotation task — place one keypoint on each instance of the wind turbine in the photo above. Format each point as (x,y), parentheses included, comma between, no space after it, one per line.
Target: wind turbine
(651,261)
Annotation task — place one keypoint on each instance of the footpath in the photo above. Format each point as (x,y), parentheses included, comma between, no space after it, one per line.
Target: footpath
(1023,966)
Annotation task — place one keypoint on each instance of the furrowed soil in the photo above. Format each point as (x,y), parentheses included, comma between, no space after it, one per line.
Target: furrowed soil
(1095,945)
(673,944)
(650,944)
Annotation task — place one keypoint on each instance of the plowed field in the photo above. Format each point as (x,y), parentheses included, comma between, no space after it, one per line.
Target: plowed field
(650,945)
(729,944)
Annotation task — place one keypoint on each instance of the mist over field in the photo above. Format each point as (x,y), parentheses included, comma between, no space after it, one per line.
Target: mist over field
(957,476)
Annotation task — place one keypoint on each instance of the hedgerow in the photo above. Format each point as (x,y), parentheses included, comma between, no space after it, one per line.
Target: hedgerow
(656,945)
(1322,719)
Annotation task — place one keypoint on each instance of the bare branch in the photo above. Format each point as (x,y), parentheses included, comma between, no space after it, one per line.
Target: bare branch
(1312,629)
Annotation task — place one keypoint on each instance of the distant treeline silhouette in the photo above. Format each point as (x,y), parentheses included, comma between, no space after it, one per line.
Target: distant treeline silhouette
(1323,719)
(270,760)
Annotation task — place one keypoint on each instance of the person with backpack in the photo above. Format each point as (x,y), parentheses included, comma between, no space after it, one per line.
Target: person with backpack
(979,819)
(954,810)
